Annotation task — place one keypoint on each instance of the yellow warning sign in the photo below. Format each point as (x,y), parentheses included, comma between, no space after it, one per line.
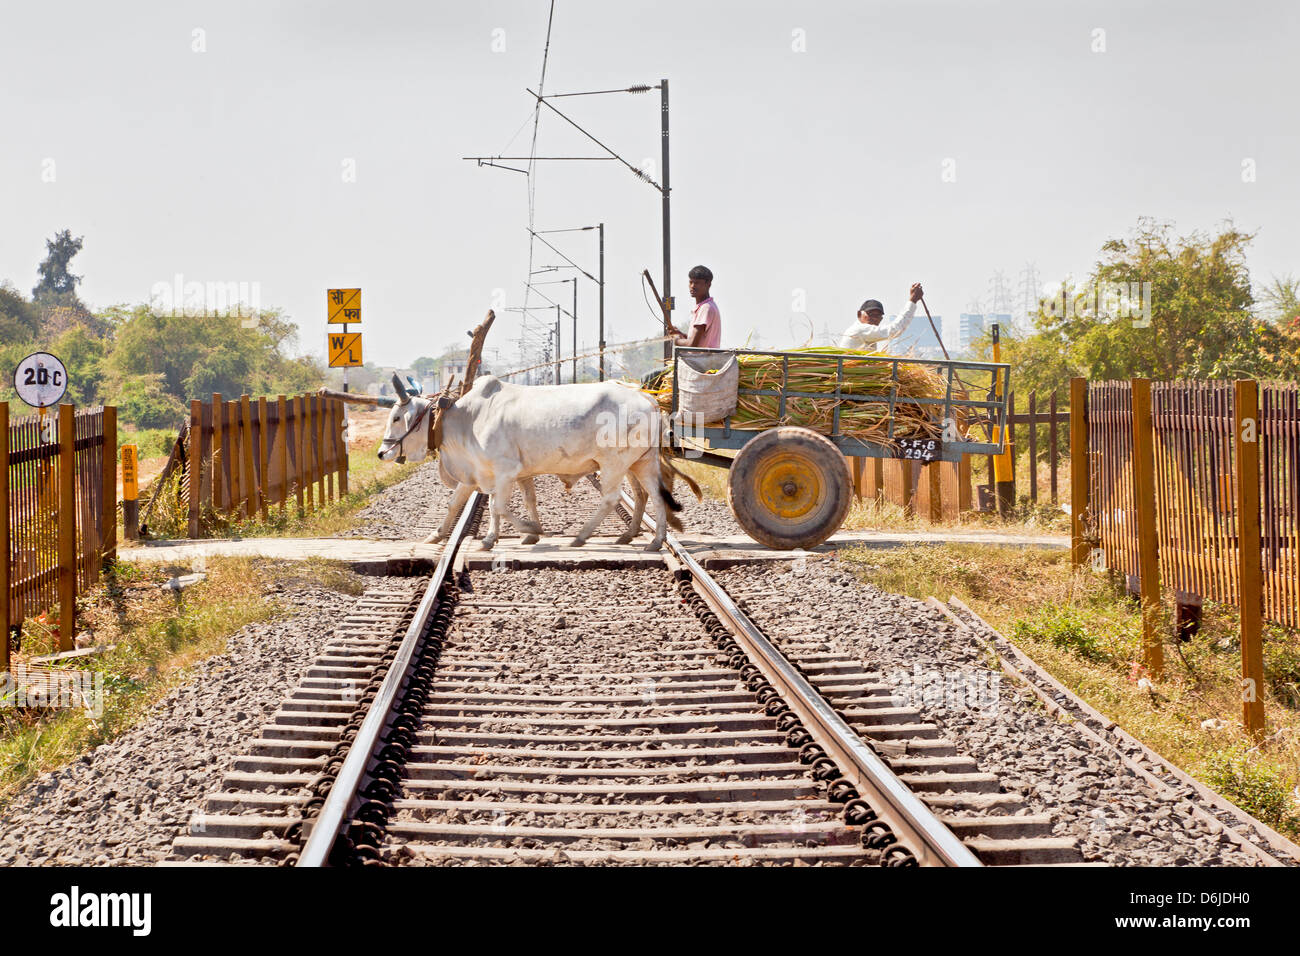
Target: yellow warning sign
(344,349)
(130,473)
(343,306)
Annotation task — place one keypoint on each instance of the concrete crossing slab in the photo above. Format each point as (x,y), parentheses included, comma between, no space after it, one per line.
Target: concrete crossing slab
(398,557)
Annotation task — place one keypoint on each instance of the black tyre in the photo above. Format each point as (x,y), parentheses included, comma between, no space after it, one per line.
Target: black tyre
(789,488)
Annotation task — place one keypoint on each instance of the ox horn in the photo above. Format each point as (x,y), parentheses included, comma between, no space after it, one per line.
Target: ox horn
(401,390)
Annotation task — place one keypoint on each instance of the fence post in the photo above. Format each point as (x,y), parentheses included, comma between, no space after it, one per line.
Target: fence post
(281,450)
(1033,446)
(1078,470)
(195,464)
(1052,454)
(235,456)
(108,489)
(1144,498)
(67,526)
(341,439)
(1250,578)
(219,488)
(318,421)
(263,456)
(300,445)
(932,475)
(247,478)
(5,610)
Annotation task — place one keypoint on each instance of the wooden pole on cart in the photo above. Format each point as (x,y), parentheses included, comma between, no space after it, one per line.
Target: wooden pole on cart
(669,328)
(933,328)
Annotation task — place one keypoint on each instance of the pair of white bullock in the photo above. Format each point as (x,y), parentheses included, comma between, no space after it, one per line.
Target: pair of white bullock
(499,434)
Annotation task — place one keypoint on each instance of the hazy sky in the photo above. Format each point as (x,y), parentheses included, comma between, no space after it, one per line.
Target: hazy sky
(819,169)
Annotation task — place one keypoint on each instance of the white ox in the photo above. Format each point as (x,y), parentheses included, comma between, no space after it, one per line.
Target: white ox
(500,433)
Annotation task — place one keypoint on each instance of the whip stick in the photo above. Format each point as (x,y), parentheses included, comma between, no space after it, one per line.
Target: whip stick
(937,336)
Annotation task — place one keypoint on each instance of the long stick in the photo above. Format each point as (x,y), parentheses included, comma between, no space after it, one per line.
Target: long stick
(668,325)
(355,399)
(937,336)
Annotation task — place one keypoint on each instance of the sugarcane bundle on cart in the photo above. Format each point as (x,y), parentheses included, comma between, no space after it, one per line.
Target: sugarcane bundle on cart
(792,416)
(805,387)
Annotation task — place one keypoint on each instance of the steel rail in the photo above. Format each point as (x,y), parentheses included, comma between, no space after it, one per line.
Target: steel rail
(333,816)
(913,823)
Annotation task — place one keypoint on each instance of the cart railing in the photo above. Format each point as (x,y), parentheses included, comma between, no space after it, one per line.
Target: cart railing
(965,424)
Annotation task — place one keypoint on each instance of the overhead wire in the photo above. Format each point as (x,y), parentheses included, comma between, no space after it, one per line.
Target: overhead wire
(532,150)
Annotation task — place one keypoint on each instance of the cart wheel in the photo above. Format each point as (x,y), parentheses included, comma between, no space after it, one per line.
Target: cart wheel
(789,488)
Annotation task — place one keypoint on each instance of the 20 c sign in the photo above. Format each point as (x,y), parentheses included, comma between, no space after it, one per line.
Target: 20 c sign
(41,380)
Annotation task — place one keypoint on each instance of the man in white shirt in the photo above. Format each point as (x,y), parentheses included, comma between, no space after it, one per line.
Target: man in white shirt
(868,330)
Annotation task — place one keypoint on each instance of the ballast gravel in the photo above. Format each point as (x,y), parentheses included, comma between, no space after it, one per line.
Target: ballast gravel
(1094,798)
(126,801)
(414,507)
(408,510)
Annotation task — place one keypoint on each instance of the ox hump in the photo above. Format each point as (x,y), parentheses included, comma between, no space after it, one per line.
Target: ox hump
(486,385)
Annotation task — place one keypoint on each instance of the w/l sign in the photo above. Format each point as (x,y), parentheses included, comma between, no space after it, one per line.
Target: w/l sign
(41,380)
(344,349)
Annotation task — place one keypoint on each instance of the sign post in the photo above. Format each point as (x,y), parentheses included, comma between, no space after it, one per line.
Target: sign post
(130,492)
(41,380)
(343,307)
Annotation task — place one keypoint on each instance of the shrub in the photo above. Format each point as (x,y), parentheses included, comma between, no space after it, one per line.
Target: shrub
(144,402)
(1256,788)
(1061,626)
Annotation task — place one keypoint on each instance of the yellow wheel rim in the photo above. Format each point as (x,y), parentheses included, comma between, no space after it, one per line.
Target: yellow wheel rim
(789,485)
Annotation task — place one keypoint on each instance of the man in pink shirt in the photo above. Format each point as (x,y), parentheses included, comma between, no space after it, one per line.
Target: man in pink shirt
(706,325)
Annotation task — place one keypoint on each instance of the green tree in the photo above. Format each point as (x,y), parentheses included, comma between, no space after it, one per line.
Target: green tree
(83,354)
(144,402)
(1280,300)
(55,278)
(20,320)
(198,355)
(1201,322)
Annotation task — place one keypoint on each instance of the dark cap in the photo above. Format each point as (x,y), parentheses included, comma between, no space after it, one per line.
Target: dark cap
(701,272)
(871,304)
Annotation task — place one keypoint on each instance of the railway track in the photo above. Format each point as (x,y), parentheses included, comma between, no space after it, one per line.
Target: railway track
(613,717)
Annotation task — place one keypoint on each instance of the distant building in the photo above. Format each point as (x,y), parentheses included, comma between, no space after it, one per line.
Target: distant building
(385,386)
(972,326)
(455,368)
(918,338)
(969,328)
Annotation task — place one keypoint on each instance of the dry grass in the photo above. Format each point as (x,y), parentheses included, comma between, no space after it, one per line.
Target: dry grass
(1087,633)
(159,636)
(367,476)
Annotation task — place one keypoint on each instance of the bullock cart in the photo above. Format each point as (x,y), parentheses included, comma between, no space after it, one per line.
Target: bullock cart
(797,414)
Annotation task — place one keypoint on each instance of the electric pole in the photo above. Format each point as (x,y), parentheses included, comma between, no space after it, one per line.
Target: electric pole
(664,188)
(602,302)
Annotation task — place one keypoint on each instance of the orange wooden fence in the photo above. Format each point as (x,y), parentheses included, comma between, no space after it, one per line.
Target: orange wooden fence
(241,458)
(58,520)
(1213,470)
(940,491)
